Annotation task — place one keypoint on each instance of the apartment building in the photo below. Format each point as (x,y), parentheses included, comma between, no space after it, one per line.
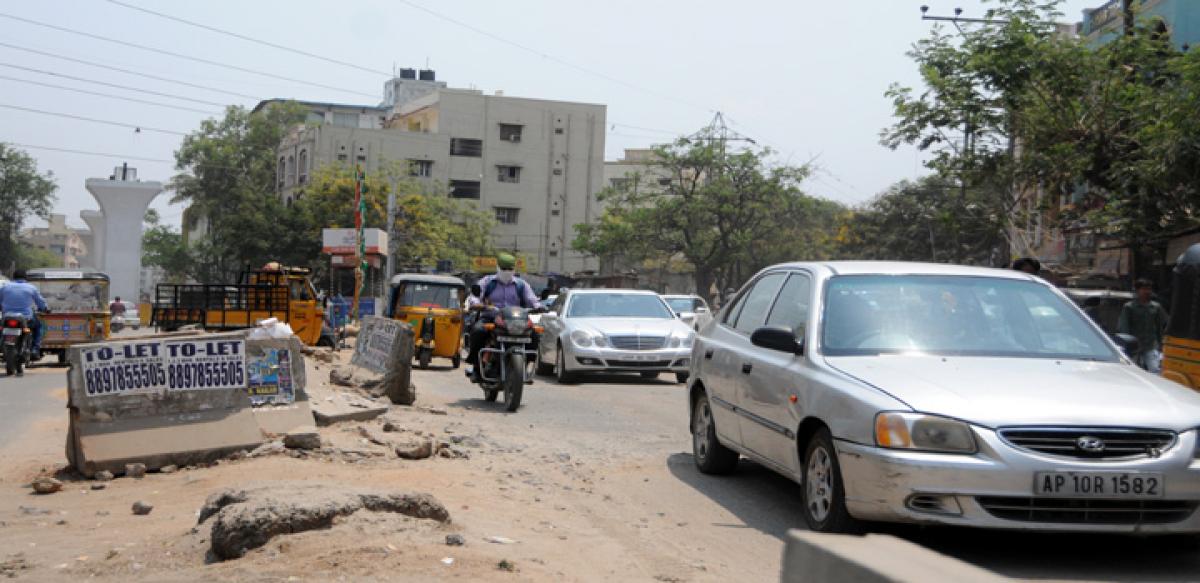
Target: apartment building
(537,164)
(57,238)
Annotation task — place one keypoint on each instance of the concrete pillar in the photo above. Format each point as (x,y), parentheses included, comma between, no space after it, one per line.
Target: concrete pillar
(123,203)
(95,222)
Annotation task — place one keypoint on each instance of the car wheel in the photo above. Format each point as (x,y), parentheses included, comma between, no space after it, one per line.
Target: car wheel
(681,377)
(544,368)
(561,375)
(822,491)
(711,457)
(649,375)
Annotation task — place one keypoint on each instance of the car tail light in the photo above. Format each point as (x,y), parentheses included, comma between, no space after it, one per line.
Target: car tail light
(12,323)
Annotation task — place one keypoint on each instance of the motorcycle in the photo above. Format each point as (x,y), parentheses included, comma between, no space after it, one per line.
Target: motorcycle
(18,343)
(506,355)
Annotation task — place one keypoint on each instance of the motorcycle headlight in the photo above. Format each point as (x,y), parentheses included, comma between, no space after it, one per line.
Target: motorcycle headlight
(916,431)
(581,338)
(517,325)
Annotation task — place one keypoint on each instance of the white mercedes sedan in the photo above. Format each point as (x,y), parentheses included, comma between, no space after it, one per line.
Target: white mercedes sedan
(613,330)
(909,392)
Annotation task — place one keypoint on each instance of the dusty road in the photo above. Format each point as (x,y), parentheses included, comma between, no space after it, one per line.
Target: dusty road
(593,482)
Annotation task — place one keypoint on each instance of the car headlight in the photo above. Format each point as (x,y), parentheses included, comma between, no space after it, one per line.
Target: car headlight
(916,431)
(600,340)
(581,338)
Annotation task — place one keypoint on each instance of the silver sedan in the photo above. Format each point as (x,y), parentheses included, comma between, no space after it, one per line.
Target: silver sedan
(941,394)
(613,330)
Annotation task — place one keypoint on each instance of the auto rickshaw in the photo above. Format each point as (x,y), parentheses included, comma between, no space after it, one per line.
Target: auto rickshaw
(1181,344)
(433,306)
(78,302)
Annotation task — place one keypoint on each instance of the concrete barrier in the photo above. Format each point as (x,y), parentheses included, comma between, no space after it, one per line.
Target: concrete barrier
(180,400)
(385,346)
(810,557)
(276,384)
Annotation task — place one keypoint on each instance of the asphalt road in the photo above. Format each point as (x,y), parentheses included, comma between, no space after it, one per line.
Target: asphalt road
(24,400)
(617,414)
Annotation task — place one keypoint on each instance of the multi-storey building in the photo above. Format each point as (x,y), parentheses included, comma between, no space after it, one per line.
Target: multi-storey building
(536,164)
(57,238)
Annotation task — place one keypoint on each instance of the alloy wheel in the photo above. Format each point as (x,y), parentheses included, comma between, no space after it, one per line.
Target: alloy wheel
(818,483)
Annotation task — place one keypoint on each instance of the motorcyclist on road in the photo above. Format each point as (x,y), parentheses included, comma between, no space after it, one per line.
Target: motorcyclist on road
(21,297)
(498,291)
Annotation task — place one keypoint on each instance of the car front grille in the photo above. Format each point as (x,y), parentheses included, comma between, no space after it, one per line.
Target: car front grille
(1087,511)
(638,363)
(637,342)
(1073,441)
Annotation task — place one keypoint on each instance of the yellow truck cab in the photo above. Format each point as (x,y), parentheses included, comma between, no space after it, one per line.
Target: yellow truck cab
(284,293)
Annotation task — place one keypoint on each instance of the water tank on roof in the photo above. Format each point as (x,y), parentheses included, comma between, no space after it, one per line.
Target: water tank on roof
(408,73)
(428,75)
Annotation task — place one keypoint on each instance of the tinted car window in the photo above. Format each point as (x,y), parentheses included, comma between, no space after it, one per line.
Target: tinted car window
(753,311)
(791,309)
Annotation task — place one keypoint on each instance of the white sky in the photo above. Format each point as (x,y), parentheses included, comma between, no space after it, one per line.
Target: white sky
(805,78)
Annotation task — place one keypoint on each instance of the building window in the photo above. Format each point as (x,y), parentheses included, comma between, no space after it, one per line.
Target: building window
(510,132)
(315,117)
(303,166)
(466,147)
(555,213)
(558,171)
(291,170)
(558,130)
(509,174)
(464,189)
(619,183)
(507,215)
(282,170)
(422,168)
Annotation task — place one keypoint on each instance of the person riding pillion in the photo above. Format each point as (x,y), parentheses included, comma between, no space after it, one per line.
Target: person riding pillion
(501,290)
(21,297)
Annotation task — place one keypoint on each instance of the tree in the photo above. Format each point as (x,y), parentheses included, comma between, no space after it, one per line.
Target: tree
(925,220)
(23,193)
(429,226)
(30,257)
(163,247)
(227,173)
(718,210)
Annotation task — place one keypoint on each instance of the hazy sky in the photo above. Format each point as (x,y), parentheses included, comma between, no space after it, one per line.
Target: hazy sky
(805,78)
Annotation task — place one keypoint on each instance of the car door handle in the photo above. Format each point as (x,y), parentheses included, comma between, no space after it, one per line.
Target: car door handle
(746,367)
(708,354)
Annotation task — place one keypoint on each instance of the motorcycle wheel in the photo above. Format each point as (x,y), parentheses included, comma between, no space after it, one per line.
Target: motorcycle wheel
(423,358)
(514,382)
(10,359)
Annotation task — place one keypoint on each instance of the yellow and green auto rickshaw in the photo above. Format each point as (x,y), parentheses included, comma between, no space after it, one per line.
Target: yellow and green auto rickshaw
(1181,345)
(433,306)
(78,302)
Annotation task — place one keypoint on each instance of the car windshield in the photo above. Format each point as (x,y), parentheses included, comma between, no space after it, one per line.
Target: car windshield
(955,315)
(427,295)
(77,295)
(682,305)
(618,305)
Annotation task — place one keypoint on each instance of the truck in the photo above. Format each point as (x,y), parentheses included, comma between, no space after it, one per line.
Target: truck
(284,293)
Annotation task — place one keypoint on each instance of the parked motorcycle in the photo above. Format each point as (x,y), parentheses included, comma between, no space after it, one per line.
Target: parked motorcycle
(18,343)
(506,356)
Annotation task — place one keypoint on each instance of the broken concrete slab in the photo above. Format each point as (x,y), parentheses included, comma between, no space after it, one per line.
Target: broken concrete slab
(416,450)
(303,438)
(247,518)
(338,410)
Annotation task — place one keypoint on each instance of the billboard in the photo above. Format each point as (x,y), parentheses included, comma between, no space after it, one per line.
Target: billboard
(341,241)
(487,264)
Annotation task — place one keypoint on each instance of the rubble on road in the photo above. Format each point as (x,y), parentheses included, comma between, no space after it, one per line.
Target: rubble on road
(245,519)
(46,485)
(417,450)
(319,353)
(268,448)
(170,469)
(135,470)
(303,438)
(103,476)
(12,566)
(141,508)
(455,540)
(340,407)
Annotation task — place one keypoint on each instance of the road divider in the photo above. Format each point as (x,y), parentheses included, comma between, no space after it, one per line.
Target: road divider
(180,400)
(810,557)
(385,346)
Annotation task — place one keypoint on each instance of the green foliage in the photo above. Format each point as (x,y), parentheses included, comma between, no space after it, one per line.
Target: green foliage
(163,246)
(227,173)
(429,225)
(925,220)
(23,193)
(29,257)
(726,214)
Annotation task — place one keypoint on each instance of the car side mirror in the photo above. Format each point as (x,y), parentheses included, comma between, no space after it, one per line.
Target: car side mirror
(777,338)
(1128,343)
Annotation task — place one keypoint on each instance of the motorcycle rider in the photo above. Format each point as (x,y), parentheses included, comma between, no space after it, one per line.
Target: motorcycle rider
(21,297)
(498,291)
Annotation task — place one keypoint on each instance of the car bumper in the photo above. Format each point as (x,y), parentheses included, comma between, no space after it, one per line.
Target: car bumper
(613,360)
(982,490)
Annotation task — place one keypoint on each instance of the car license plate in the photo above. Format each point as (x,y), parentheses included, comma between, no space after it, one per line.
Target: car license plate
(514,339)
(1128,485)
(12,331)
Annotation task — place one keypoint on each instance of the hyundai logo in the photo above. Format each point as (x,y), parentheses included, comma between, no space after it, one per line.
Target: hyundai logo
(1089,444)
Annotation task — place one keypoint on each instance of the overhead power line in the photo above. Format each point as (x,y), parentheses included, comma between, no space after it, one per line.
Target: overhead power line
(250,39)
(110,95)
(93,120)
(113,85)
(130,72)
(550,57)
(89,153)
(180,55)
